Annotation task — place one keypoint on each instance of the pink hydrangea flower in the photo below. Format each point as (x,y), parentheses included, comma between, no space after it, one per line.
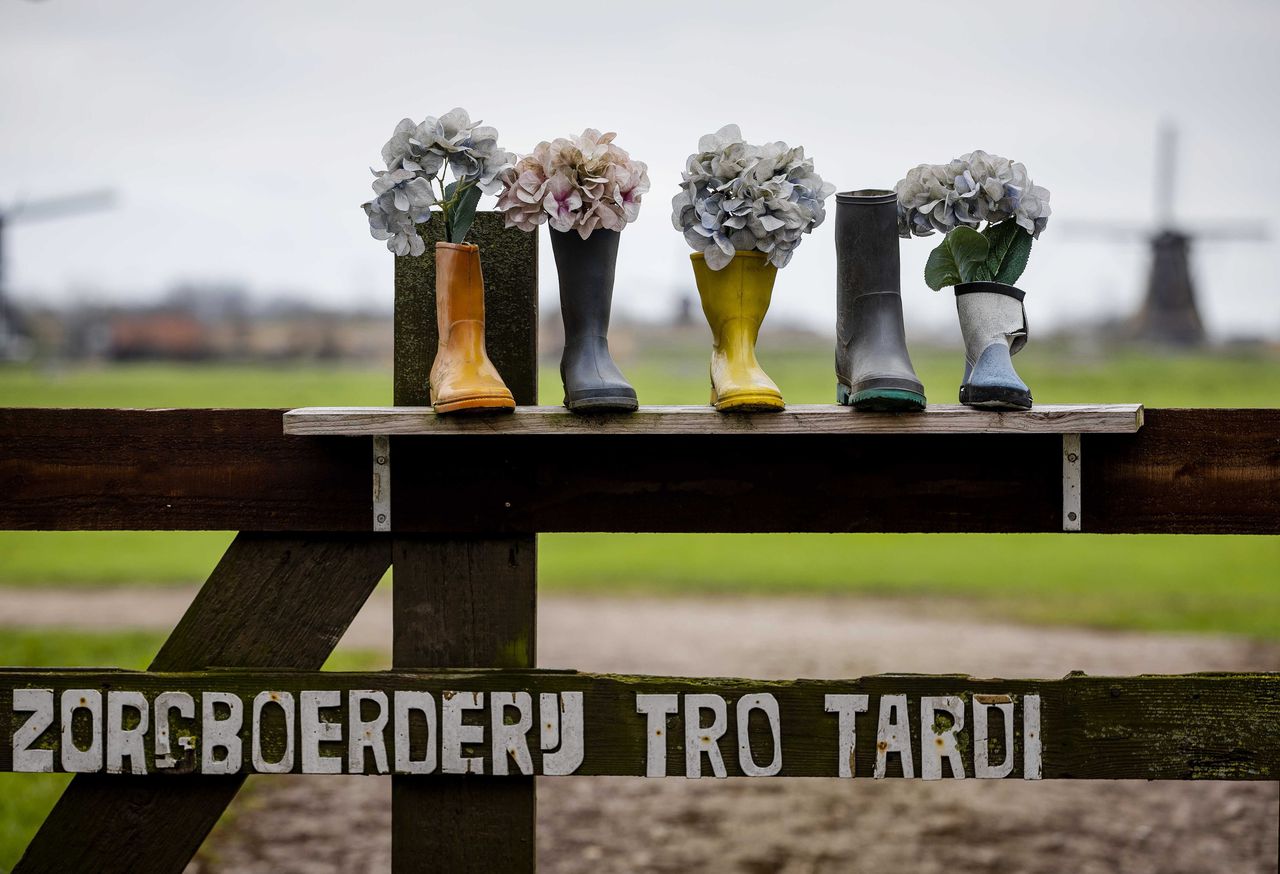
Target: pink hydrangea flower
(576,184)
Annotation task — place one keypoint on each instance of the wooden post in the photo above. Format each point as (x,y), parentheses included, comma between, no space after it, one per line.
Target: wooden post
(465,602)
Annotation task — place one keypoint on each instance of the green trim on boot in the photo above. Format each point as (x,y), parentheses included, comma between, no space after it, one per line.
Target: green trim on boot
(881,400)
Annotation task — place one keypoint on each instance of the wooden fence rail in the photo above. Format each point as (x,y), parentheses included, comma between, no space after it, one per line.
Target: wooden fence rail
(1210,471)
(564,723)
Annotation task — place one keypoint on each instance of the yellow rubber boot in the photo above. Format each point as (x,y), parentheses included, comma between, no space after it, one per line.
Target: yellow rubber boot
(463,379)
(734,301)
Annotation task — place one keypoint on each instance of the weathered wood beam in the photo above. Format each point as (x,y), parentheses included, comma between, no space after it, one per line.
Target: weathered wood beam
(465,601)
(1185,472)
(705,420)
(1189,727)
(271,602)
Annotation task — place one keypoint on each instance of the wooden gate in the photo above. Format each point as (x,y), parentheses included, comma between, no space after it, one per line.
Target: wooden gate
(464,720)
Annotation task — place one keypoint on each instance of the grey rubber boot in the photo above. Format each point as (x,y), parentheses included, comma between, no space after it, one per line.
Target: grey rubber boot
(592,382)
(873,368)
(994,324)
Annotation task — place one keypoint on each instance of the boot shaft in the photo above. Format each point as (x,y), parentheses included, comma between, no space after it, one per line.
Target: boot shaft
(586,271)
(735,298)
(990,312)
(867,256)
(459,286)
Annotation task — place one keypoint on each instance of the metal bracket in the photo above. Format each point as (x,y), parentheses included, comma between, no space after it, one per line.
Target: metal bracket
(1070,482)
(381,482)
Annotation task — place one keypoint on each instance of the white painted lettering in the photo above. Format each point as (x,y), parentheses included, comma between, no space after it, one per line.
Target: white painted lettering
(362,735)
(74,759)
(656,708)
(702,739)
(1031,737)
(406,703)
(510,740)
(768,705)
(937,742)
(125,743)
(893,735)
(454,733)
(220,734)
(572,739)
(314,731)
(39,703)
(982,767)
(283,700)
(848,706)
(165,703)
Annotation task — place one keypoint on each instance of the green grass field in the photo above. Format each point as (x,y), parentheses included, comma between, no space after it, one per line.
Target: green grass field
(1224,584)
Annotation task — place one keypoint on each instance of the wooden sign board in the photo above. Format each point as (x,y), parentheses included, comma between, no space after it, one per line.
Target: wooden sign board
(555,723)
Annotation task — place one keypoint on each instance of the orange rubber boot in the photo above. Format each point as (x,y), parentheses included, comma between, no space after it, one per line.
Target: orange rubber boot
(463,379)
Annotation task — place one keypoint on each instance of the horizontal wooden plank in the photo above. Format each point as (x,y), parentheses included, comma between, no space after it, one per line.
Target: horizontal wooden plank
(1191,727)
(1185,471)
(705,420)
(226,470)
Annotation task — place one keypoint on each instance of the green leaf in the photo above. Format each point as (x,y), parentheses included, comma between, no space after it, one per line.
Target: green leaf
(464,214)
(969,249)
(940,270)
(1000,236)
(960,257)
(1015,259)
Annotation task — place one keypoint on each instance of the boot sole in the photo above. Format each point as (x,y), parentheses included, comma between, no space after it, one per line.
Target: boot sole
(619,403)
(477,404)
(881,400)
(761,402)
(995,398)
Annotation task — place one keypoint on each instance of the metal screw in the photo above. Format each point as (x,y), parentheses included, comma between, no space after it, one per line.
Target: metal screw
(1072,457)
(1071,516)
(381,459)
(382,517)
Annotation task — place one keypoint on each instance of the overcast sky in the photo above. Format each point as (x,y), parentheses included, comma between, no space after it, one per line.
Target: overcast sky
(238,134)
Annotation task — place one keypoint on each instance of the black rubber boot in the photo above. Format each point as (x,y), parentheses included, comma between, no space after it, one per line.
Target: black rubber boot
(592,382)
(873,369)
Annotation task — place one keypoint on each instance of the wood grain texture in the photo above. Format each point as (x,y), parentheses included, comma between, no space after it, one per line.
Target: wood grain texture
(1184,472)
(225,470)
(270,602)
(509,261)
(705,420)
(465,601)
(1189,727)
(1188,471)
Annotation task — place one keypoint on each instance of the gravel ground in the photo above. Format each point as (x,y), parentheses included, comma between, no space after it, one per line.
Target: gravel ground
(787,826)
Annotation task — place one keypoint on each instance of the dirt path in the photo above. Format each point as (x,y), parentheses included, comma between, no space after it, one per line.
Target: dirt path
(601,825)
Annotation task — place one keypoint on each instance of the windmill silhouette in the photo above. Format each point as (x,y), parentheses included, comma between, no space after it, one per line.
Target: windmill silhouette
(1169,314)
(13,336)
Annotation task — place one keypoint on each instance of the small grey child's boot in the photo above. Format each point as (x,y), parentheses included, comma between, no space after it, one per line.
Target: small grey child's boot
(994,325)
(592,382)
(873,369)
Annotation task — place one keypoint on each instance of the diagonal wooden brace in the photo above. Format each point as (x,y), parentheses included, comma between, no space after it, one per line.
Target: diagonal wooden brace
(272,601)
